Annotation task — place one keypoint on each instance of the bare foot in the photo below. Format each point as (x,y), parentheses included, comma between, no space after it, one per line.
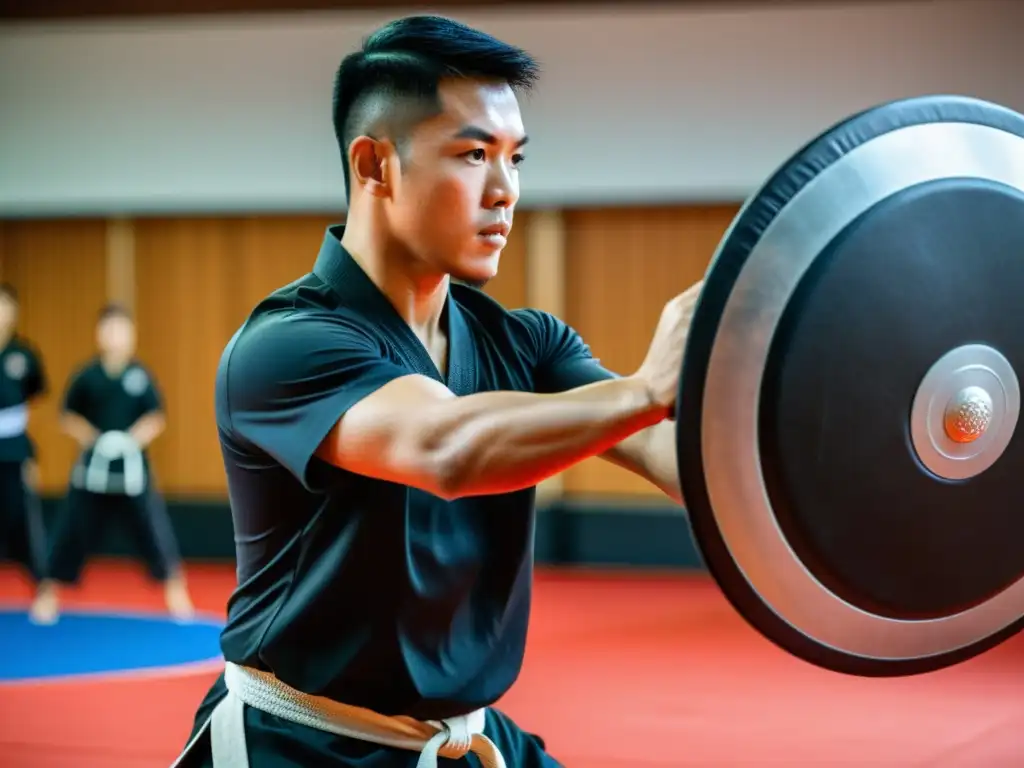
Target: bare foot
(45,609)
(179,604)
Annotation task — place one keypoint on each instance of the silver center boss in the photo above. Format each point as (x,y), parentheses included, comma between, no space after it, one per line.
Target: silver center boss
(965,412)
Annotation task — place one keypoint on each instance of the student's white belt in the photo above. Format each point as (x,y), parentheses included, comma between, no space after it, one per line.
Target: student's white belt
(95,475)
(13,421)
(452,738)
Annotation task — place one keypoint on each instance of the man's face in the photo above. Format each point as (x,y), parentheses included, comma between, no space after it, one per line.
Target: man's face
(115,336)
(8,313)
(457,184)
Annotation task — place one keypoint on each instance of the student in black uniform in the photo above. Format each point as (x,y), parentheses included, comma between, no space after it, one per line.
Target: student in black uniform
(22,380)
(383,430)
(113,410)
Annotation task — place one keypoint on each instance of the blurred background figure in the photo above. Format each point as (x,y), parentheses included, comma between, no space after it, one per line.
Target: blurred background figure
(113,410)
(22,379)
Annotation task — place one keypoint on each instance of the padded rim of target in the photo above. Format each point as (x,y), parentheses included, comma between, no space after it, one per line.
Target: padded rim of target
(736,246)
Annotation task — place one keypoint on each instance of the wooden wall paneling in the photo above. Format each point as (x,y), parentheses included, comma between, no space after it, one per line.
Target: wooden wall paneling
(184,289)
(59,270)
(545,261)
(545,290)
(271,252)
(622,266)
(121,262)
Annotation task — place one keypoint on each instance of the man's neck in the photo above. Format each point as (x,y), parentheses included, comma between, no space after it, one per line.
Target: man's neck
(114,364)
(418,296)
(6,337)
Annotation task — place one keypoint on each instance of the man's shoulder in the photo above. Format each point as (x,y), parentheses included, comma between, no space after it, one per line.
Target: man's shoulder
(87,369)
(23,346)
(19,361)
(538,321)
(19,357)
(525,324)
(296,317)
(300,331)
(139,368)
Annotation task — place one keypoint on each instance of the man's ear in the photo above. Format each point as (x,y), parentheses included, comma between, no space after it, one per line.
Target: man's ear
(369,163)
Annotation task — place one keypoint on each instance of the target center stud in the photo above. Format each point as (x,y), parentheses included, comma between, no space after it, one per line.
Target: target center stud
(968,414)
(964,413)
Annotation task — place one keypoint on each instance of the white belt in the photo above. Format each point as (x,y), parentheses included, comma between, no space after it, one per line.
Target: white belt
(452,738)
(13,421)
(96,477)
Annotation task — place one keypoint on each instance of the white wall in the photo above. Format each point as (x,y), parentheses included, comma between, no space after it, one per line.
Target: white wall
(657,104)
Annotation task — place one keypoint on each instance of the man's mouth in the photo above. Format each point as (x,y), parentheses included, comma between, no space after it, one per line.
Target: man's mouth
(495,231)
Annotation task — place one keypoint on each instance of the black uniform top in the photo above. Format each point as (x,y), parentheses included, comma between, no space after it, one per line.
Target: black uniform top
(22,378)
(371,593)
(112,402)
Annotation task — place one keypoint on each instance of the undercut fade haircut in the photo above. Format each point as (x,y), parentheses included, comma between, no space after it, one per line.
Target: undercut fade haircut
(9,291)
(391,85)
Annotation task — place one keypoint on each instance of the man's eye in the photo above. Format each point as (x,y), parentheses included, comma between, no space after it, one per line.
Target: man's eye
(517,159)
(476,154)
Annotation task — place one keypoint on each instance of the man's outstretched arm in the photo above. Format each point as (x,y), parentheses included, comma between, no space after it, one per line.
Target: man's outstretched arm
(414,432)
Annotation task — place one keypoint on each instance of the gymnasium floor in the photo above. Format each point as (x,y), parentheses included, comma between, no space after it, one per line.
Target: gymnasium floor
(623,671)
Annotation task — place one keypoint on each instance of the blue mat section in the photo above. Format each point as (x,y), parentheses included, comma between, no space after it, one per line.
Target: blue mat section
(85,643)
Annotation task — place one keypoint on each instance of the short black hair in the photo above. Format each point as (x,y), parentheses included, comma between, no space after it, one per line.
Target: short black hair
(114,310)
(405,60)
(8,290)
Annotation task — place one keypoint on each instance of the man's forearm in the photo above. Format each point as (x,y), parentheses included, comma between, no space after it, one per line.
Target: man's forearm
(79,429)
(659,459)
(147,429)
(504,441)
(651,454)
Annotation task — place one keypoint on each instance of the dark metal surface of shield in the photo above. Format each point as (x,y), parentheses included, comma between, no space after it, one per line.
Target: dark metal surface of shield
(849,446)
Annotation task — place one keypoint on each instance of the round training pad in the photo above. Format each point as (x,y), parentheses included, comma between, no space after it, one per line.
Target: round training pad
(861,511)
(883,245)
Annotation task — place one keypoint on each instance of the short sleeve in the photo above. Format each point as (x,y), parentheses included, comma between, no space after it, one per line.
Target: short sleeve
(76,395)
(34,383)
(289,378)
(562,361)
(151,401)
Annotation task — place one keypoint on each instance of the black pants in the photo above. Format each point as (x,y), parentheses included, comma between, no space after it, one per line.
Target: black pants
(84,518)
(22,536)
(276,743)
